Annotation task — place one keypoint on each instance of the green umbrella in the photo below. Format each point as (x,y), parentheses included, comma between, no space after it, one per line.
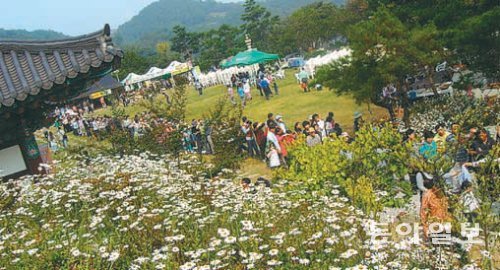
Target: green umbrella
(249,57)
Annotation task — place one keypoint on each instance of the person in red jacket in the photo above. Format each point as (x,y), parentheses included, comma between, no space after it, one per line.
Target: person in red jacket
(260,137)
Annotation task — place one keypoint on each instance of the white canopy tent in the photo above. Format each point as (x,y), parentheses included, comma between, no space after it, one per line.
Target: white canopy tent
(311,64)
(154,72)
(132,78)
(223,76)
(173,68)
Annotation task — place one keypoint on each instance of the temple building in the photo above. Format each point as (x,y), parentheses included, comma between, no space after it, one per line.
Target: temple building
(35,78)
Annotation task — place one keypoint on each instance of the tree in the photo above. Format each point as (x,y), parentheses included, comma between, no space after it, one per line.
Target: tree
(184,42)
(384,51)
(218,44)
(164,56)
(179,98)
(477,42)
(132,61)
(225,121)
(312,26)
(468,28)
(258,23)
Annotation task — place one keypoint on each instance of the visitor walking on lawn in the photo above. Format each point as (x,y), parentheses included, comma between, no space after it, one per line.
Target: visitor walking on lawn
(304,80)
(264,84)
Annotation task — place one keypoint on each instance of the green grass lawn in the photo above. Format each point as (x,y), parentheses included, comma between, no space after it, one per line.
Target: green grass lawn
(291,103)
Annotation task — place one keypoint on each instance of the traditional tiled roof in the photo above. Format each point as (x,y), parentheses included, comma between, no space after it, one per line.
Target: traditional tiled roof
(28,67)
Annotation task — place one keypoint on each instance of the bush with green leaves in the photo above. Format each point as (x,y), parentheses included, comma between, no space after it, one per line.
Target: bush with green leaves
(224,118)
(487,189)
(375,161)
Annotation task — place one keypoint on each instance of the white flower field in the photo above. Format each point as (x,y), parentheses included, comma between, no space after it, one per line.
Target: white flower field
(143,212)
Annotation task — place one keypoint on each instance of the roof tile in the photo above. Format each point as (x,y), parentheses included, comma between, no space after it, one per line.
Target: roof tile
(26,67)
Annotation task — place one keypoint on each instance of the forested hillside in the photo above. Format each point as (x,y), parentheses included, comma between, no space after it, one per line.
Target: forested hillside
(29,35)
(155,22)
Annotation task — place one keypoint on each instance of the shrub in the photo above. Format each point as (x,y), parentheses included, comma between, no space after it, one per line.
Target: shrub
(376,154)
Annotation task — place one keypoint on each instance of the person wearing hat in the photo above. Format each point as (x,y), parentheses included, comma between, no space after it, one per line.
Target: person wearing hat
(281,124)
(358,121)
(459,173)
(312,138)
(345,136)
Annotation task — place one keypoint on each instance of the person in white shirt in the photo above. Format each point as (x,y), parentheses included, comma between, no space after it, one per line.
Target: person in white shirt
(459,173)
(273,156)
(247,90)
(281,124)
(272,139)
(470,203)
(317,119)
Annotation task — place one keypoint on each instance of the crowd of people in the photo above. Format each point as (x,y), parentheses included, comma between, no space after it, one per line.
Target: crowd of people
(467,150)
(196,135)
(241,85)
(269,141)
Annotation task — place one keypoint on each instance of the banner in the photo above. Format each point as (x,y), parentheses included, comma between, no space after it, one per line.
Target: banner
(100,94)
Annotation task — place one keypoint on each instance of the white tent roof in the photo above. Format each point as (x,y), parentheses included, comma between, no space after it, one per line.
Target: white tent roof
(131,79)
(172,66)
(152,73)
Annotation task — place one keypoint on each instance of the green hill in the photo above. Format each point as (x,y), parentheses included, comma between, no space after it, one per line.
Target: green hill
(29,35)
(158,19)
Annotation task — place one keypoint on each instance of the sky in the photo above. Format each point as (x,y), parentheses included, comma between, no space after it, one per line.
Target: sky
(71,17)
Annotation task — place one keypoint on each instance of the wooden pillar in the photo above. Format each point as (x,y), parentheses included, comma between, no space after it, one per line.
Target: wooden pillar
(29,148)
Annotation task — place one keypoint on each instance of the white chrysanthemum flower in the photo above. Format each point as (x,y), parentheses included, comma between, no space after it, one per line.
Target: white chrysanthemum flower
(188,266)
(304,261)
(113,256)
(349,253)
(230,240)
(160,266)
(273,252)
(223,232)
(274,263)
